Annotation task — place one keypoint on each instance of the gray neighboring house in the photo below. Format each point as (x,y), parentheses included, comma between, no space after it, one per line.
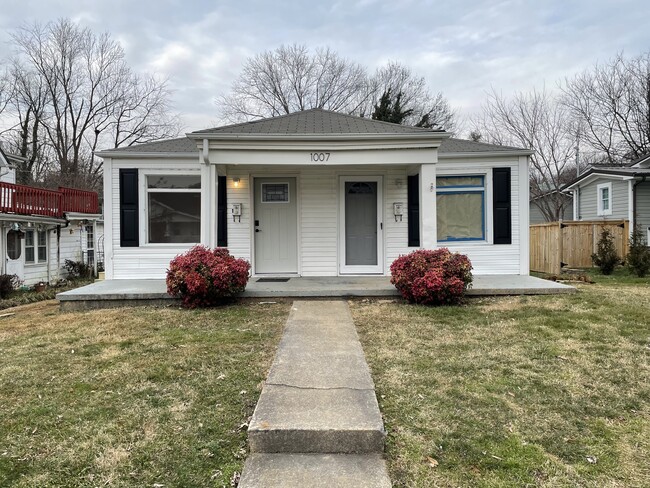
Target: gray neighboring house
(614,193)
(536,215)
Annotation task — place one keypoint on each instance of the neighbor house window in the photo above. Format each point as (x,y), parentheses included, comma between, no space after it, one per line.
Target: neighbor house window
(460,207)
(35,246)
(90,245)
(604,199)
(173,208)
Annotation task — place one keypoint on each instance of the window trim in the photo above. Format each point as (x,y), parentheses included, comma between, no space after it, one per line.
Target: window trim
(485,204)
(36,246)
(144,204)
(599,200)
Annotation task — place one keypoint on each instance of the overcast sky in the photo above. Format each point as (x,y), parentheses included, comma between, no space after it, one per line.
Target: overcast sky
(462,47)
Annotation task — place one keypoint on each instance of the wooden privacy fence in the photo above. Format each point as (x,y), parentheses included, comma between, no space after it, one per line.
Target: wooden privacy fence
(555,245)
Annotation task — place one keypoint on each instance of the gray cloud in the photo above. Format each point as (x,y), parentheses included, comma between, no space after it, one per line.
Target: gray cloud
(462,48)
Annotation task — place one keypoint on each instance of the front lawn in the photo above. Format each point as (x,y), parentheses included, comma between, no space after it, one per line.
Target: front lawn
(130,397)
(517,391)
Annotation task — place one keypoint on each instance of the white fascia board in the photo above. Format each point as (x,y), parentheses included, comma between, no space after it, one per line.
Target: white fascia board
(148,155)
(644,163)
(595,176)
(37,219)
(484,154)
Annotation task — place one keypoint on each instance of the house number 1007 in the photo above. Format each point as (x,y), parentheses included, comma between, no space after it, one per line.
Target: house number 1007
(320,156)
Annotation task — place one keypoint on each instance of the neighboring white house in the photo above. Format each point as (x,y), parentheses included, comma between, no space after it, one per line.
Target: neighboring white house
(315,193)
(40,229)
(614,193)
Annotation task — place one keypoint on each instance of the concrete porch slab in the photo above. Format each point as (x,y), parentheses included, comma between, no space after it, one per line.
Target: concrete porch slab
(119,293)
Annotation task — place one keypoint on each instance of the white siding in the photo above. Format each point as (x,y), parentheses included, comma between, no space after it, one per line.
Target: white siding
(146,261)
(318,188)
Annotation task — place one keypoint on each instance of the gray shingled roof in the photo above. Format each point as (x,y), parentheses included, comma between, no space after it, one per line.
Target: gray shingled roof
(180,145)
(453,145)
(316,121)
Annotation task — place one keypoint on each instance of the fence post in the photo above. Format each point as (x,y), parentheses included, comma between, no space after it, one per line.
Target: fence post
(560,249)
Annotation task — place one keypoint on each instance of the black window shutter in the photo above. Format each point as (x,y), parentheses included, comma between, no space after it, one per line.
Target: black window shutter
(413,209)
(129,232)
(501,202)
(222,212)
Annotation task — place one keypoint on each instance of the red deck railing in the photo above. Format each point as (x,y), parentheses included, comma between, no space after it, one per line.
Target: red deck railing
(27,200)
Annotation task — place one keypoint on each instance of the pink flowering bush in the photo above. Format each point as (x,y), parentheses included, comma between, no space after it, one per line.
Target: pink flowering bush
(432,277)
(204,277)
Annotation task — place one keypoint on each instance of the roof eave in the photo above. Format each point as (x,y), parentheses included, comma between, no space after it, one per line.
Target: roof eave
(144,154)
(482,154)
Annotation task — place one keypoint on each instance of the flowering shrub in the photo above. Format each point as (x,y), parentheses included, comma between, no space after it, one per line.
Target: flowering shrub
(432,277)
(204,277)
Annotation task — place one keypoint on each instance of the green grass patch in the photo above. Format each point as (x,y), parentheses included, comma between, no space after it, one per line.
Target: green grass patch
(130,397)
(516,391)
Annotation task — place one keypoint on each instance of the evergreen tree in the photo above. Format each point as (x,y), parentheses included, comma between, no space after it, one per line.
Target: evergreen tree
(390,110)
(638,259)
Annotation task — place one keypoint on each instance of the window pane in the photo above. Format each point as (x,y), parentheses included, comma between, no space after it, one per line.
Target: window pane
(29,238)
(460,216)
(174,181)
(42,237)
(174,217)
(29,254)
(13,244)
(275,192)
(455,181)
(42,254)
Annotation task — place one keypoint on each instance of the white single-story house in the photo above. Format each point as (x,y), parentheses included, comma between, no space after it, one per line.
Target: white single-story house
(614,193)
(40,228)
(315,193)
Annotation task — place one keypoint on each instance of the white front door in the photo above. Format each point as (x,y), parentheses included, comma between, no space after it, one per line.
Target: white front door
(15,264)
(361,231)
(276,226)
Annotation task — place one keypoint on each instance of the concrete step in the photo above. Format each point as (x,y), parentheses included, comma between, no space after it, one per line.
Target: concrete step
(307,420)
(314,471)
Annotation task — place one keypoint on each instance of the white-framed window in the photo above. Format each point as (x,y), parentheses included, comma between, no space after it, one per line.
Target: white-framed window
(460,208)
(604,195)
(173,203)
(90,245)
(35,246)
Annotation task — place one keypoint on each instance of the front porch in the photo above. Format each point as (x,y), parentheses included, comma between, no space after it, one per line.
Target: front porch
(118,293)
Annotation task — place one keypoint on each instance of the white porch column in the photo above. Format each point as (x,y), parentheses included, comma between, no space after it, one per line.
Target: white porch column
(428,228)
(206,200)
(214,193)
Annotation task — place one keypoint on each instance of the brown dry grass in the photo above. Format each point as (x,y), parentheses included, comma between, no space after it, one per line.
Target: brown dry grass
(130,397)
(515,391)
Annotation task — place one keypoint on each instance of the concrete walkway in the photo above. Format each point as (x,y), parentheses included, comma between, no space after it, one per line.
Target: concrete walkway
(317,422)
(120,293)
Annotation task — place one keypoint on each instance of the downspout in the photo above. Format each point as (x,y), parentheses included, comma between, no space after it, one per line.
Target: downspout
(642,180)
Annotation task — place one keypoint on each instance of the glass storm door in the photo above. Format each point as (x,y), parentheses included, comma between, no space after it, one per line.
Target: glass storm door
(361,236)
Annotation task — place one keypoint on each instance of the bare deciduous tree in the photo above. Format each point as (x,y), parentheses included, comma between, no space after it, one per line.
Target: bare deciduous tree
(535,121)
(426,110)
(612,103)
(291,79)
(76,93)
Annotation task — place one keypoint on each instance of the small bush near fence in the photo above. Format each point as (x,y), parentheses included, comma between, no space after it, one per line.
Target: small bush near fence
(432,277)
(204,277)
(605,256)
(638,258)
(8,283)
(78,269)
